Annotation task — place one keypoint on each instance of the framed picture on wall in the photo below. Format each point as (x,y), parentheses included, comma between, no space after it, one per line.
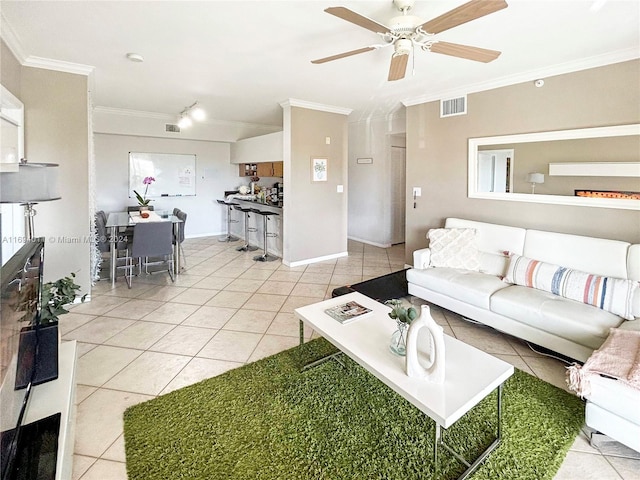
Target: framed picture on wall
(319,169)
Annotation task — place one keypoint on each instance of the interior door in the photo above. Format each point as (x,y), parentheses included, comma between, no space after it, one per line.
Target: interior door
(495,171)
(398,192)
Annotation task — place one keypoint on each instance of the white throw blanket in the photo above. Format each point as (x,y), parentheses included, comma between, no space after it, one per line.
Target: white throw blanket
(618,358)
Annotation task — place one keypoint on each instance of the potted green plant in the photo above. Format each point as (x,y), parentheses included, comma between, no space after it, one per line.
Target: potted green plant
(143,201)
(55,296)
(45,337)
(403,317)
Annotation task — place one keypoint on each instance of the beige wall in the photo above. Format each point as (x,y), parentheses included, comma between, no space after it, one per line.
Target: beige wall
(315,225)
(10,70)
(437,151)
(56,131)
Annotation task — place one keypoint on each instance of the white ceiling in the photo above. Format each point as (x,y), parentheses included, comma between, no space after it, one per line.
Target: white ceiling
(240,59)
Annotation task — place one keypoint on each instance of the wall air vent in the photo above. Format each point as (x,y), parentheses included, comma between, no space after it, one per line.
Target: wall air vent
(170,127)
(453,106)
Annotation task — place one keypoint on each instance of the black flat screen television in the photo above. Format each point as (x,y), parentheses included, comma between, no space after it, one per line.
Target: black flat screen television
(26,359)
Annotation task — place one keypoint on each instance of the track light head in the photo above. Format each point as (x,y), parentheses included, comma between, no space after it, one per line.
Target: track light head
(193,111)
(197,113)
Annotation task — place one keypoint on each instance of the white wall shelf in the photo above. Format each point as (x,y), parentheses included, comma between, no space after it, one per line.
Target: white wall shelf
(595,169)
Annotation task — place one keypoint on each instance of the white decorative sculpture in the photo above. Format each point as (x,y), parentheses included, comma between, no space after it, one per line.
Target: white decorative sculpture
(434,371)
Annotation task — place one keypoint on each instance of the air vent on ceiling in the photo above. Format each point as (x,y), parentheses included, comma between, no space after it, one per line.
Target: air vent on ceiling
(453,106)
(170,127)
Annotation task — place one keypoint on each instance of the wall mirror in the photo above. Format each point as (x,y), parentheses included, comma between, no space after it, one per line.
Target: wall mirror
(592,167)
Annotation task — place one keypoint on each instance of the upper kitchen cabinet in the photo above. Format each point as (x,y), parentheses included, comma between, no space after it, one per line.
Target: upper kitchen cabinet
(265,148)
(270,169)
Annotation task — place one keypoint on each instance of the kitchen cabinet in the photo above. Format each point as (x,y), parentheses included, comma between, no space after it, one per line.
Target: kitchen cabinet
(248,169)
(270,169)
(264,148)
(261,169)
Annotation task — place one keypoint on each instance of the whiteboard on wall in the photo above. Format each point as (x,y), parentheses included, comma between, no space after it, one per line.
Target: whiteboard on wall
(175,174)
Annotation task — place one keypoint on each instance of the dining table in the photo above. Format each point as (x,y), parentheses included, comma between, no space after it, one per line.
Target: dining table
(119,220)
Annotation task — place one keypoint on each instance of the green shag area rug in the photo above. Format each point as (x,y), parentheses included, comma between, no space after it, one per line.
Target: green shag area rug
(269,420)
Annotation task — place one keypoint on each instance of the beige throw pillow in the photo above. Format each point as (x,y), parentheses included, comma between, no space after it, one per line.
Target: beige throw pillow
(454,248)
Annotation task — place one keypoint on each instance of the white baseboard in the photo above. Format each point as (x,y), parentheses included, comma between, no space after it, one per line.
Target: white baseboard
(315,260)
(368,242)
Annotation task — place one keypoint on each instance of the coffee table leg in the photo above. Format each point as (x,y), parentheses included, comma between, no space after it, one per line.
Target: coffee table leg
(436,443)
(471,467)
(301,332)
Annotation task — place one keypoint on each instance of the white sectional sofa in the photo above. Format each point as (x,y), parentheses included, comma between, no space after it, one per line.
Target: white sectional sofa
(566,326)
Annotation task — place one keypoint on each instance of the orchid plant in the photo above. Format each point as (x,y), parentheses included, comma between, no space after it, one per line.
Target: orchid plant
(143,201)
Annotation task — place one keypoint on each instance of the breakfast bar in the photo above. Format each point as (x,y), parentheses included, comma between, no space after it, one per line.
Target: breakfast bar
(274,244)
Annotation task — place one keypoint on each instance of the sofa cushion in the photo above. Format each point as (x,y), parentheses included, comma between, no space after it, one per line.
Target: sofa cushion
(494,264)
(615,397)
(612,294)
(575,321)
(453,248)
(492,238)
(599,256)
(465,285)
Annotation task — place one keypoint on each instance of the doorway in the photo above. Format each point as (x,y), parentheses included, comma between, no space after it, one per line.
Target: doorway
(398,177)
(495,171)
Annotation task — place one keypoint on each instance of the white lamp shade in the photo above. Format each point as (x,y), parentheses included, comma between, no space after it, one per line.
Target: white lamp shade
(33,182)
(535,178)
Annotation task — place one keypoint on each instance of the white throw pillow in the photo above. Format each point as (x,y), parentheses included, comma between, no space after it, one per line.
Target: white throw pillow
(454,248)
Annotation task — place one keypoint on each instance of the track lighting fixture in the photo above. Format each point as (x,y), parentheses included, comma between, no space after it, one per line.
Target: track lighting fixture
(194,111)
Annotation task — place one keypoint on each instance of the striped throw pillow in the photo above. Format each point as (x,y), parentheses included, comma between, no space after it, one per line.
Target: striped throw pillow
(614,295)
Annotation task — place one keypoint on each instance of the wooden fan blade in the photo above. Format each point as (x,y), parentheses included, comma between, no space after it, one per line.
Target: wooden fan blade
(463,14)
(353,17)
(342,55)
(465,51)
(398,67)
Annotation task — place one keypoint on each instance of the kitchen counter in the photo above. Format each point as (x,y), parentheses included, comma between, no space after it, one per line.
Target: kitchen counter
(254,201)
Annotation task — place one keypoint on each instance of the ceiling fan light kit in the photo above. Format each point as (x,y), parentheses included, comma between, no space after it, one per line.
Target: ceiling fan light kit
(405,32)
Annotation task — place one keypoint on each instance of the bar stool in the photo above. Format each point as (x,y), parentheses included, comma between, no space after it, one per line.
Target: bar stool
(265,257)
(228,237)
(246,247)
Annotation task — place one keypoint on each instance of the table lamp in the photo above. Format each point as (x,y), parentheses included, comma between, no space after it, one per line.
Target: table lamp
(534,178)
(32,183)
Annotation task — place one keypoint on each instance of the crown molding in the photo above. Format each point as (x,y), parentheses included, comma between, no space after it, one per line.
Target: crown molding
(13,43)
(292,102)
(133,113)
(11,39)
(173,118)
(58,65)
(559,69)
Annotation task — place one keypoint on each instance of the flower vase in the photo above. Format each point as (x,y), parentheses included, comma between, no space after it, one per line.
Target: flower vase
(144,211)
(433,371)
(398,343)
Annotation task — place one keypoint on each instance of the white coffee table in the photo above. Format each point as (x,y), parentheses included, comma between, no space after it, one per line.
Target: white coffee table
(470,374)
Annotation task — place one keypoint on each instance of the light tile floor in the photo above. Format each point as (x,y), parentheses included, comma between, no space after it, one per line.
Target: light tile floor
(226,310)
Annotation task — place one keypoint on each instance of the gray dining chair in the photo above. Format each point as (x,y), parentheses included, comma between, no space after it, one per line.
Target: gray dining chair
(152,245)
(182,216)
(103,242)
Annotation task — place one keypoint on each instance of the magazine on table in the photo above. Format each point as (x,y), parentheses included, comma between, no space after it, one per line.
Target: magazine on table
(347,312)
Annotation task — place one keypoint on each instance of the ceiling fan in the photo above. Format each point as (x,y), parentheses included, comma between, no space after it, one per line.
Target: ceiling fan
(408,31)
